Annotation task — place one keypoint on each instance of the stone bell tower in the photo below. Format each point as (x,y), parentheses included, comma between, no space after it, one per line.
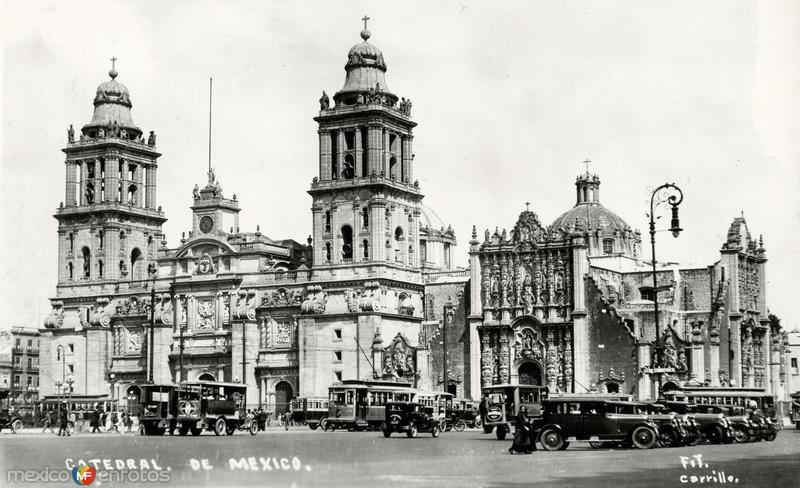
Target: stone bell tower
(366,203)
(109,226)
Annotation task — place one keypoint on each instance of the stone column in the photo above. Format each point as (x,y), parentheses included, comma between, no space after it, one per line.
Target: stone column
(138,176)
(713,352)
(123,181)
(339,158)
(112,179)
(734,333)
(97,181)
(580,267)
(376,231)
(645,381)
(84,176)
(374,148)
(359,153)
(386,153)
(407,158)
(324,154)
(336,251)
(151,187)
(318,228)
(698,367)
(69,195)
(774,350)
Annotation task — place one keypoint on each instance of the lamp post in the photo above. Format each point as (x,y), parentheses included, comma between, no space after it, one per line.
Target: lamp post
(671,194)
(112,378)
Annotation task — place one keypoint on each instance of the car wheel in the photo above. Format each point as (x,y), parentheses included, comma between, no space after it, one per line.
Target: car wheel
(16,425)
(230,429)
(669,438)
(487,429)
(435,431)
(313,426)
(479,423)
(220,427)
(552,440)
(502,430)
(412,431)
(715,434)
(770,436)
(740,435)
(460,425)
(596,444)
(643,437)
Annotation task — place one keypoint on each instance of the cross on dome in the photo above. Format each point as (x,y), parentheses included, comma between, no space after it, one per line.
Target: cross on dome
(113,72)
(365,34)
(586,162)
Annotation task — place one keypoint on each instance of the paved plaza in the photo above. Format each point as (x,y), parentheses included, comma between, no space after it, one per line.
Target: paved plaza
(301,457)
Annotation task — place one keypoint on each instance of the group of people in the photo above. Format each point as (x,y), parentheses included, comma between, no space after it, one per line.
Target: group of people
(99,418)
(262,418)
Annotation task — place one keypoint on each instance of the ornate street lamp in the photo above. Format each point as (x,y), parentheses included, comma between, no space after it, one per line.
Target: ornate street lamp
(112,379)
(672,195)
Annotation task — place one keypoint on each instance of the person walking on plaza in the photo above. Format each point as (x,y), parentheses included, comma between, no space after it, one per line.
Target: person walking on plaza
(63,422)
(262,420)
(523,441)
(114,419)
(482,409)
(47,422)
(95,422)
(126,421)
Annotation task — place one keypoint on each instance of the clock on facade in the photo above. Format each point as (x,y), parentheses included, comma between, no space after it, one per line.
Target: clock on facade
(206,224)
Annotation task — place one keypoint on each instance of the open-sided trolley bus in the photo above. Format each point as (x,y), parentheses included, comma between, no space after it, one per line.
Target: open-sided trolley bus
(739,397)
(504,401)
(360,405)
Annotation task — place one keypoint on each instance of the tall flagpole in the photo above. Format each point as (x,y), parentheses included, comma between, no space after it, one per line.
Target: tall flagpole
(210,87)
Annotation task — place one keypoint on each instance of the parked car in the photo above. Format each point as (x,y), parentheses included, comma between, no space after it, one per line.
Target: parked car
(565,421)
(411,418)
(744,430)
(713,426)
(8,418)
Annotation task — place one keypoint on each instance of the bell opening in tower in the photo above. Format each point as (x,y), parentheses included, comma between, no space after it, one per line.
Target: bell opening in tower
(347,242)
(348,172)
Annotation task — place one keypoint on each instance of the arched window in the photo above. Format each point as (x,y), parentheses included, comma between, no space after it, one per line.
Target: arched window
(132,194)
(365,245)
(398,244)
(71,242)
(101,236)
(123,268)
(327,252)
(335,170)
(347,242)
(410,254)
(423,252)
(71,269)
(392,165)
(135,255)
(365,217)
(608,246)
(87,262)
(100,268)
(447,256)
(327,221)
(349,170)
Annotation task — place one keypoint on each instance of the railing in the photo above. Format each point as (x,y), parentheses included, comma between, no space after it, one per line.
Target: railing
(429,277)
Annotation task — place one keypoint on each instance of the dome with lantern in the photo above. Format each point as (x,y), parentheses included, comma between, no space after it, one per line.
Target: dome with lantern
(112,110)
(365,76)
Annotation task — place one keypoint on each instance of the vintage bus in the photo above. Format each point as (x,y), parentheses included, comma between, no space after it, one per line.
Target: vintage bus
(195,407)
(360,405)
(502,403)
(310,411)
(738,397)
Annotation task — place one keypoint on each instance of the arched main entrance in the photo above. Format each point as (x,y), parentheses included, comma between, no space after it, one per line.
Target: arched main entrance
(283,396)
(206,377)
(530,374)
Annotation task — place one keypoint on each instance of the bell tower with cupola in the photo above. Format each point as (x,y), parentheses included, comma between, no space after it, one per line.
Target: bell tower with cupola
(109,225)
(366,203)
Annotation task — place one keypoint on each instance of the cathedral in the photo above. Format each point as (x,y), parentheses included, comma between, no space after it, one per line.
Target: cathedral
(571,305)
(372,293)
(369,295)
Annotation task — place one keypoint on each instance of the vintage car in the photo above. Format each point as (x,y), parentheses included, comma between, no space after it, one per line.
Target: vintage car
(8,419)
(673,429)
(411,418)
(796,409)
(713,426)
(744,430)
(564,421)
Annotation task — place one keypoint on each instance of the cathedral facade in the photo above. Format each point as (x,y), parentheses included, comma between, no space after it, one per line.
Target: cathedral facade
(367,296)
(570,305)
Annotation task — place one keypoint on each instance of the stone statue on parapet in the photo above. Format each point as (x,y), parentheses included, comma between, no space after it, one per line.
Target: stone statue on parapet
(151,139)
(196,192)
(70,134)
(324,101)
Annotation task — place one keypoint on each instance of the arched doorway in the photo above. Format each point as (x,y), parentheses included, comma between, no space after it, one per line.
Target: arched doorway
(206,377)
(530,374)
(132,398)
(283,397)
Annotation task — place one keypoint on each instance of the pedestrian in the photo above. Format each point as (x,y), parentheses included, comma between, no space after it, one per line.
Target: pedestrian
(482,409)
(126,421)
(262,420)
(95,422)
(286,420)
(47,422)
(522,435)
(63,422)
(114,420)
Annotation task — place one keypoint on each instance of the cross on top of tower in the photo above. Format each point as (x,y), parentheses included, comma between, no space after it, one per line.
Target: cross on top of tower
(586,162)
(527,206)
(113,71)
(365,19)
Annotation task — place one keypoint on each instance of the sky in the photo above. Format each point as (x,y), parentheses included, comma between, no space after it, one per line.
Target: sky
(510,97)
